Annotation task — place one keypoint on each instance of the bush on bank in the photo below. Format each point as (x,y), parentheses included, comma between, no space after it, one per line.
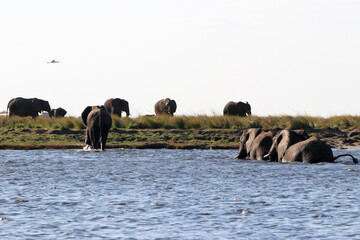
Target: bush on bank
(189,122)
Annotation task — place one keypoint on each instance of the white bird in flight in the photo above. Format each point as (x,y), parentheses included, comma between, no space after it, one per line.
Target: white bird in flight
(53,61)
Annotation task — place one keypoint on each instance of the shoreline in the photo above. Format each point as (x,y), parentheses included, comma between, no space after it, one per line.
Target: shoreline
(31,139)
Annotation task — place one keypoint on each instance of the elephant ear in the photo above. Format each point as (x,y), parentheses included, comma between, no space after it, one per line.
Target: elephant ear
(251,135)
(36,104)
(85,114)
(173,105)
(283,142)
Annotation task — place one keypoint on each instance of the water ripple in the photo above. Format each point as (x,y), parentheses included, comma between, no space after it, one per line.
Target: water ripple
(174,194)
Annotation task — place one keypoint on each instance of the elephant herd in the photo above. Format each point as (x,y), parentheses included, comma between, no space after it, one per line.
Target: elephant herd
(255,143)
(285,146)
(96,118)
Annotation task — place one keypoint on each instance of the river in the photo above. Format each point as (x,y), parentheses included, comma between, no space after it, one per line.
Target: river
(174,194)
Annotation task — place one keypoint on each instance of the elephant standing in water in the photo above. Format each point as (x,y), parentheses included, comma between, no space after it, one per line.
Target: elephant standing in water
(237,109)
(25,107)
(58,112)
(254,143)
(98,123)
(290,146)
(282,141)
(312,150)
(165,106)
(116,106)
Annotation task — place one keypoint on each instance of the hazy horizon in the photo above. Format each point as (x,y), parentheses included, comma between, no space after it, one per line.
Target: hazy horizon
(284,57)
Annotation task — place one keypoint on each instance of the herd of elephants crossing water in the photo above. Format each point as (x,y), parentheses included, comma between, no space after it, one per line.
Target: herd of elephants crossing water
(255,143)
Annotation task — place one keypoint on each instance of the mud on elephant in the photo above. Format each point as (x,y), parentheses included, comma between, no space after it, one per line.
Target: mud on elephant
(237,109)
(25,107)
(255,143)
(98,123)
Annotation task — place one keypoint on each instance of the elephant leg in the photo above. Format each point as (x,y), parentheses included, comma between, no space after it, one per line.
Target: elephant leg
(96,133)
(87,139)
(94,137)
(104,136)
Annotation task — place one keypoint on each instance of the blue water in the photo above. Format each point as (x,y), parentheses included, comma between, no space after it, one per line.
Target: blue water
(174,194)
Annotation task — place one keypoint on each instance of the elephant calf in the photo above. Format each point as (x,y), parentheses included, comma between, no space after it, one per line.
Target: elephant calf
(254,143)
(98,123)
(58,112)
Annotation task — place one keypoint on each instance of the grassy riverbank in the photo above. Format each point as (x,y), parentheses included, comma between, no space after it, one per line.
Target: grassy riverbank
(170,132)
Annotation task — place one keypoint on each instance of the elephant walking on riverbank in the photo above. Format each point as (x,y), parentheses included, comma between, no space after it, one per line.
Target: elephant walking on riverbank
(254,143)
(237,109)
(116,106)
(165,106)
(98,123)
(25,107)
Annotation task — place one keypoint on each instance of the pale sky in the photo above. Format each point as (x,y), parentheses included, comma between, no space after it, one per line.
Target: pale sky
(294,57)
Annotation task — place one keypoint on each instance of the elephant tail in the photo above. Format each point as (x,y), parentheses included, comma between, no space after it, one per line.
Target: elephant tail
(343,155)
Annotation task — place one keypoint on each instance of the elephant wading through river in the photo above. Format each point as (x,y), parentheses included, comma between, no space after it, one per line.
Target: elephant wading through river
(312,150)
(282,141)
(116,106)
(25,107)
(98,123)
(291,146)
(165,106)
(58,112)
(237,109)
(254,143)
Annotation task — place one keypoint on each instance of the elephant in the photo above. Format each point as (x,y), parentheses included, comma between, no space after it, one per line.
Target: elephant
(165,106)
(237,109)
(254,143)
(312,150)
(116,106)
(27,107)
(282,141)
(98,123)
(57,112)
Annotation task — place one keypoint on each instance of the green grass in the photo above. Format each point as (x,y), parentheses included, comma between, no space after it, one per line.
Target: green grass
(189,122)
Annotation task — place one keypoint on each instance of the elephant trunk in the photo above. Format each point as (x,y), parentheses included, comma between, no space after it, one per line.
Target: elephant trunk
(272,155)
(242,153)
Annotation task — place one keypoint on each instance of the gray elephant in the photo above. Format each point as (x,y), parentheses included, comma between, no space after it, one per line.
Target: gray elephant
(311,150)
(116,106)
(57,112)
(282,141)
(254,143)
(25,107)
(165,106)
(237,109)
(98,123)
